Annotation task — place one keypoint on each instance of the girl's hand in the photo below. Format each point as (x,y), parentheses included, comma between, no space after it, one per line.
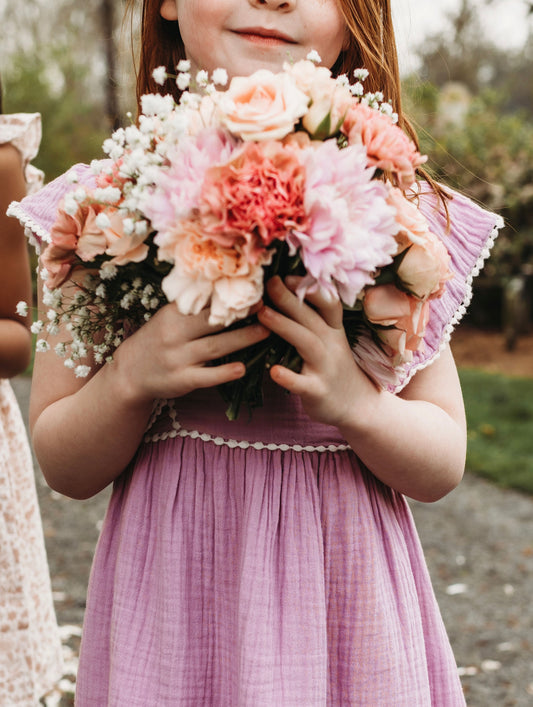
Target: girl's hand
(330,384)
(167,356)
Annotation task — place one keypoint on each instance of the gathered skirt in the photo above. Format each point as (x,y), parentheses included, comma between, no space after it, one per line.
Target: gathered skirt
(259,564)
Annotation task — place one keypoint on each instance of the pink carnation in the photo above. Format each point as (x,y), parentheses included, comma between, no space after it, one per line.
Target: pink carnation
(351,227)
(178,185)
(387,146)
(258,192)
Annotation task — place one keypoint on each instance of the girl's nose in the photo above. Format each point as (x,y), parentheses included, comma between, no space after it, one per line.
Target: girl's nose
(284,5)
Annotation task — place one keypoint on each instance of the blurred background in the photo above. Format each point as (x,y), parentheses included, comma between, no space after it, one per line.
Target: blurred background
(467,68)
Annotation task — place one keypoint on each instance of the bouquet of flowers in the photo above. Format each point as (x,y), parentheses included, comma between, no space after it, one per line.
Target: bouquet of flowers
(203,200)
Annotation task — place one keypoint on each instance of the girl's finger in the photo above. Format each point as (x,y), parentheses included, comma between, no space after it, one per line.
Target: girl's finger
(211,347)
(330,308)
(287,302)
(291,381)
(210,376)
(304,339)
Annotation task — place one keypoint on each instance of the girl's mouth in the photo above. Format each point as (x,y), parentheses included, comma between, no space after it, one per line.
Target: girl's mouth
(266,37)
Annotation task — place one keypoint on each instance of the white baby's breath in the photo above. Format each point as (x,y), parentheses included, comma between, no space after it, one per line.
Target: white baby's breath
(183,65)
(79,195)
(37,327)
(314,56)
(22,309)
(108,271)
(159,75)
(42,346)
(70,205)
(71,176)
(220,77)
(82,371)
(183,81)
(108,195)
(202,78)
(153,104)
(102,220)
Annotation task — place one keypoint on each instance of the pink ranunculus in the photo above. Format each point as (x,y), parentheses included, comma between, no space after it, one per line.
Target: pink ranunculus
(351,227)
(388,147)
(71,236)
(400,320)
(124,248)
(199,264)
(258,193)
(329,100)
(262,106)
(92,240)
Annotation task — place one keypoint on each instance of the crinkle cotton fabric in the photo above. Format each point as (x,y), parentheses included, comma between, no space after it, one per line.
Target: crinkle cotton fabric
(30,647)
(258,563)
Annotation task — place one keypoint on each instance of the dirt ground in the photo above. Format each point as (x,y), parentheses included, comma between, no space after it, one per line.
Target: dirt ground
(477,348)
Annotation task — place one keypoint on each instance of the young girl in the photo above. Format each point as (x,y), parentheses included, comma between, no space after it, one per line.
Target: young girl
(30,649)
(270,561)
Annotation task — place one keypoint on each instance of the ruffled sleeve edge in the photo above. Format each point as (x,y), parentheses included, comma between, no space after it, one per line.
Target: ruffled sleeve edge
(35,233)
(461,308)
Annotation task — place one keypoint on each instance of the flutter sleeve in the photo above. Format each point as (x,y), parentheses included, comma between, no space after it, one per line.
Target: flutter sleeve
(37,212)
(23,131)
(469,238)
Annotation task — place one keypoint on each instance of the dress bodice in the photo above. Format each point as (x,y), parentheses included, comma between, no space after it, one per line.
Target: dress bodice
(279,423)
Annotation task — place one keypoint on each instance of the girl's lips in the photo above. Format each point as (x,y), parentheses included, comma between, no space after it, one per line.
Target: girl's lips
(259,35)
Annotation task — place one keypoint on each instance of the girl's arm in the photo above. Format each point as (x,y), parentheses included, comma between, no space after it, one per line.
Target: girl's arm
(414,442)
(15,282)
(85,432)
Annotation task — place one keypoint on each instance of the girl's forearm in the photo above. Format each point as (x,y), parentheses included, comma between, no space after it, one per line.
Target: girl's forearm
(413,446)
(85,440)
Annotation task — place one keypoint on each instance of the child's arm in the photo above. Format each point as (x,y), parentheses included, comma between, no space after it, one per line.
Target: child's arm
(15,281)
(414,442)
(85,432)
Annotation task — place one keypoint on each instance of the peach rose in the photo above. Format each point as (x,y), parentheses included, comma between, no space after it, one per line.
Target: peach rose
(329,100)
(204,271)
(400,319)
(413,224)
(263,106)
(425,268)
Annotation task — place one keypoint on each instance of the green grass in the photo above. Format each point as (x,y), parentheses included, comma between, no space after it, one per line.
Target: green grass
(499,411)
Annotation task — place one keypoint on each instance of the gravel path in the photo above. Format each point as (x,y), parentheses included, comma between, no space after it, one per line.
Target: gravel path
(479,548)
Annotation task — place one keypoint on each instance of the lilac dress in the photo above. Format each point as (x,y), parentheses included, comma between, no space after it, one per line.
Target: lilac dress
(258,563)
